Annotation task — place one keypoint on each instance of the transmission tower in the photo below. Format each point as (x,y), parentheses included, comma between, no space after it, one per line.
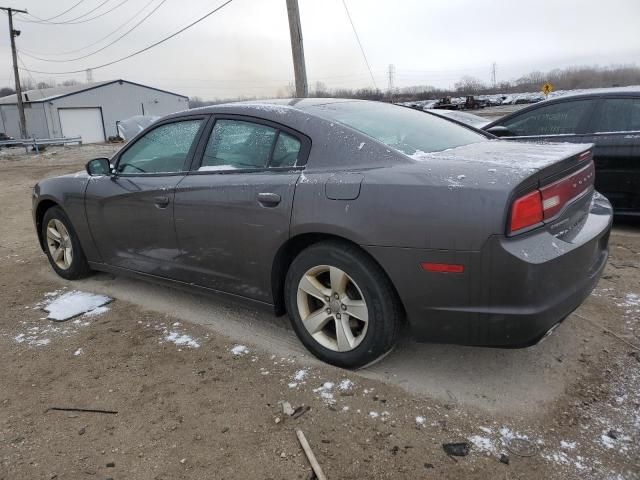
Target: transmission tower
(493,74)
(391,76)
(89,75)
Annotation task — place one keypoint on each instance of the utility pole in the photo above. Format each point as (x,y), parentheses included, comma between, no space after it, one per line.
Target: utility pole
(297,49)
(13,34)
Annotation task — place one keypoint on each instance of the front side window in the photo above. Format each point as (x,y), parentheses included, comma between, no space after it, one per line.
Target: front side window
(558,119)
(618,115)
(237,144)
(162,150)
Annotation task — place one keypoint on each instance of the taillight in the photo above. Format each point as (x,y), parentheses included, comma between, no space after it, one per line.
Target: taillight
(526,211)
(546,202)
(558,194)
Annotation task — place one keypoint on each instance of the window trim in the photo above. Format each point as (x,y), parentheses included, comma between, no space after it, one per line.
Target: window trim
(192,150)
(581,127)
(305,146)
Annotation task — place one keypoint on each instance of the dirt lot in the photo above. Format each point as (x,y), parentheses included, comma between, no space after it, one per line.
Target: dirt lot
(189,408)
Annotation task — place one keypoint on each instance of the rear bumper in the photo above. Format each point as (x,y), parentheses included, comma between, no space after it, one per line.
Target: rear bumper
(511,293)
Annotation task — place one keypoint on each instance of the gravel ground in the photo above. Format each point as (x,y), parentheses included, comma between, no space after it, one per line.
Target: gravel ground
(191,403)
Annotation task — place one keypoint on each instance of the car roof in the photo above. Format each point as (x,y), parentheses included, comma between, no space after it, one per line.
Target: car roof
(300,104)
(597,92)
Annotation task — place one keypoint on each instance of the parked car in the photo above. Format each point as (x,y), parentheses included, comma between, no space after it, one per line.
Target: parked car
(610,118)
(470,119)
(351,216)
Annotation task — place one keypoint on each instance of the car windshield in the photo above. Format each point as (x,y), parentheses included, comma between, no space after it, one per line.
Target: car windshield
(404,129)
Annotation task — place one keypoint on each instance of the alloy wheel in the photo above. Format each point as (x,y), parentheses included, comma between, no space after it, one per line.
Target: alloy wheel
(59,244)
(332,308)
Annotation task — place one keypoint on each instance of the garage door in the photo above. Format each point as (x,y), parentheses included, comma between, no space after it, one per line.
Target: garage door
(83,122)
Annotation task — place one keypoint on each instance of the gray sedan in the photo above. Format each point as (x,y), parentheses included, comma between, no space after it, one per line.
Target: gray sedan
(353,217)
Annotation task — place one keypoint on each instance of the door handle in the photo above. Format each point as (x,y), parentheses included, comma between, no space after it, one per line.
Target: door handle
(269,199)
(161,201)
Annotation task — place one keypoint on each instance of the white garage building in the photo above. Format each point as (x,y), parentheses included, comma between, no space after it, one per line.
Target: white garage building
(91,111)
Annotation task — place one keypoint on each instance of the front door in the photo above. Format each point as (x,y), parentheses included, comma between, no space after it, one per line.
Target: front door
(615,130)
(232,213)
(130,213)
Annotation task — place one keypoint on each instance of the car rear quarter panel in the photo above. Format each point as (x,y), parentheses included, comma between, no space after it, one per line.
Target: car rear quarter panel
(428,206)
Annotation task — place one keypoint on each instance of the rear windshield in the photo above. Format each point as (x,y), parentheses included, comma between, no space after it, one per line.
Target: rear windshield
(410,131)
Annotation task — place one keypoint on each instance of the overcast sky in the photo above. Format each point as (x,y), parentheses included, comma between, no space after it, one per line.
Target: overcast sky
(244,49)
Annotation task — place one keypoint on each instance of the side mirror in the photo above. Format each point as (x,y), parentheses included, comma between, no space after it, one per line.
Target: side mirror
(500,131)
(98,167)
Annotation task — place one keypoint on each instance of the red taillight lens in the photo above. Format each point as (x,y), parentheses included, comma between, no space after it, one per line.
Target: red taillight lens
(526,211)
(558,194)
(549,200)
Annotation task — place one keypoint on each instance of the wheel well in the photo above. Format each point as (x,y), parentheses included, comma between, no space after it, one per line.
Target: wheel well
(290,250)
(41,209)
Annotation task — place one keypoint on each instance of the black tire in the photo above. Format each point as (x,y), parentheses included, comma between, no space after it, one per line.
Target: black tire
(385,311)
(79,267)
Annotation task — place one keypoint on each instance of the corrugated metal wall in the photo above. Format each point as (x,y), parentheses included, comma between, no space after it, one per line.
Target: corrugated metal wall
(117,101)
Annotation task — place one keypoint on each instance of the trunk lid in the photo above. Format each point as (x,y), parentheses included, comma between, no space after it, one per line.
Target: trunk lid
(533,162)
(562,173)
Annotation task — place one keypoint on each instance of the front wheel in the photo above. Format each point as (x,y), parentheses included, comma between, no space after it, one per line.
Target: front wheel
(62,245)
(341,304)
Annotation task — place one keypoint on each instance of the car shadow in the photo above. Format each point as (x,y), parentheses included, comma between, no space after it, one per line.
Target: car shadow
(519,381)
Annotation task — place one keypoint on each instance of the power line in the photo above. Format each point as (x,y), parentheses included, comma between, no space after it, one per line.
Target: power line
(94,17)
(72,20)
(35,84)
(149,47)
(66,52)
(360,44)
(62,13)
(104,47)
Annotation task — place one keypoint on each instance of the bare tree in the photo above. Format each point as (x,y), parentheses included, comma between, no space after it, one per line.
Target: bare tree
(5,91)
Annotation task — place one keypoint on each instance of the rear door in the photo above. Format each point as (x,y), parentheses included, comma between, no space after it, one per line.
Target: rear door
(615,130)
(562,121)
(232,211)
(130,213)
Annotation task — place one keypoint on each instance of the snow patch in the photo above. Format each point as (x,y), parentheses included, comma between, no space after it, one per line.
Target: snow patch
(325,391)
(97,311)
(182,340)
(239,350)
(483,444)
(300,375)
(215,168)
(74,303)
(345,385)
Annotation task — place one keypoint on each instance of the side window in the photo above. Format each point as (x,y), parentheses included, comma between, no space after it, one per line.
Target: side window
(163,150)
(618,115)
(558,119)
(236,144)
(285,153)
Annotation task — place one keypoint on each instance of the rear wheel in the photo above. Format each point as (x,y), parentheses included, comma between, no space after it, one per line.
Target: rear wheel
(62,245)
(341,304)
